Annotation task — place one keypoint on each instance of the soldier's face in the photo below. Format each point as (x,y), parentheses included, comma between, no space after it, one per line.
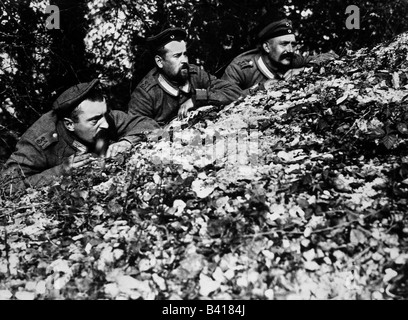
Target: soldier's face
(175,62)
(91,120)
(281,49)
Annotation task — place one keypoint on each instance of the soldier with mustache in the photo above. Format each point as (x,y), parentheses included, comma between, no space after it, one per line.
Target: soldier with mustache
(79,128)
(174,86)
(273,59)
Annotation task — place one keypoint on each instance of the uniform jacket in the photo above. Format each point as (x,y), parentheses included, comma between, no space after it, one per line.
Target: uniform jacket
(42,149)
(248,70)
(157,98)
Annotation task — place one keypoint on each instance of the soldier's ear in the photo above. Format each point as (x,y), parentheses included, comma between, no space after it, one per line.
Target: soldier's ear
(159,61)
(266,47)
(69,124)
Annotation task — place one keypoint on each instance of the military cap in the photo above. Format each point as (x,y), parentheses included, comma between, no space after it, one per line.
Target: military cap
(275,29)
(166,36)
(71,97)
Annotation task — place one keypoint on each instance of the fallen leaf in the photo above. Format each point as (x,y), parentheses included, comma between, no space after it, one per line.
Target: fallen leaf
(389,274)
(112,290)
(342,98)
(5,294)
(207,285)
(161,283)
(146,264)
(24,295)
(269,294)
(311,265)
(202,189)
(357,236)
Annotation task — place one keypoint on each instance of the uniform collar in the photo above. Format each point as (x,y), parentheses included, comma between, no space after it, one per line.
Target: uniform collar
(264,68)
(70,139)
(79,146)
(171,89)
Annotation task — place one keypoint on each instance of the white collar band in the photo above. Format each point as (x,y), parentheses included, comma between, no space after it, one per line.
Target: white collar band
(170,89)
(264,69)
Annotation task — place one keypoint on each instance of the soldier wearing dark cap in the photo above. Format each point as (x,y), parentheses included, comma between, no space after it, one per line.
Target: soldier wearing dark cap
(273,59)
(77,129)
(174,86)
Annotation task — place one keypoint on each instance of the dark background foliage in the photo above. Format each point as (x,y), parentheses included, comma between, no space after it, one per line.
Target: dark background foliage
(46,62)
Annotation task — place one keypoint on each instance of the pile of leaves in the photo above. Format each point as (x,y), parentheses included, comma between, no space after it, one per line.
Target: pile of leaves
(295,193)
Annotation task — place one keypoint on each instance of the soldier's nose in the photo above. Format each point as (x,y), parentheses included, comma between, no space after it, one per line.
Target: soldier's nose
(289,48)
(104,124)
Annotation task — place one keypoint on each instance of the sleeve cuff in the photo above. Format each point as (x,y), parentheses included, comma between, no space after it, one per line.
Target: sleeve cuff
(133,140)
(256,88)
(201,95)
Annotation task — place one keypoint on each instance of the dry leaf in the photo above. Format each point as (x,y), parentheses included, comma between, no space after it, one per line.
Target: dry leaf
(207,285)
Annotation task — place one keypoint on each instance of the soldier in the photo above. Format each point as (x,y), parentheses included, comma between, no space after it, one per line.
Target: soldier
(77,129)
(273,59)
(174,86)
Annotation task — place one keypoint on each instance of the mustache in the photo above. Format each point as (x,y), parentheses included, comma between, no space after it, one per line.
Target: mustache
(288,55)
(185,66)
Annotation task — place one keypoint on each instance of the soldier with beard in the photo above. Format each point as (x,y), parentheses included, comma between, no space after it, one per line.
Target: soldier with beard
(79,128)
(274,59)
(174,86)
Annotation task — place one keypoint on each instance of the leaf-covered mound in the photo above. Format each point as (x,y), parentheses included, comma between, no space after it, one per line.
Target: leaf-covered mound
(295,193)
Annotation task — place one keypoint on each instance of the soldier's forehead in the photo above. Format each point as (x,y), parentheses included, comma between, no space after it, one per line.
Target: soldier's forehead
(89,108)
(175,46)
(285,38)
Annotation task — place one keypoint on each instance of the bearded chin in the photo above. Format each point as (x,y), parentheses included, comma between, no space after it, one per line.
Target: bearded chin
(182,77)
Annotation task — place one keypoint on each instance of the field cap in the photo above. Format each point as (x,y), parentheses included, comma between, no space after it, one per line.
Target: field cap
(166,36)
(71,97)
(275,29)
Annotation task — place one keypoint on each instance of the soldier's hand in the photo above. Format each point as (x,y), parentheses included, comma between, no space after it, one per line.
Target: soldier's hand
(269,84)
(290,74)
(77,161)
(118,147)
(157,134)
(324,57)
(184,108)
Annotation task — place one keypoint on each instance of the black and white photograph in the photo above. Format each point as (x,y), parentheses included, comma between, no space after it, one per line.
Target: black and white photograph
(204,154)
